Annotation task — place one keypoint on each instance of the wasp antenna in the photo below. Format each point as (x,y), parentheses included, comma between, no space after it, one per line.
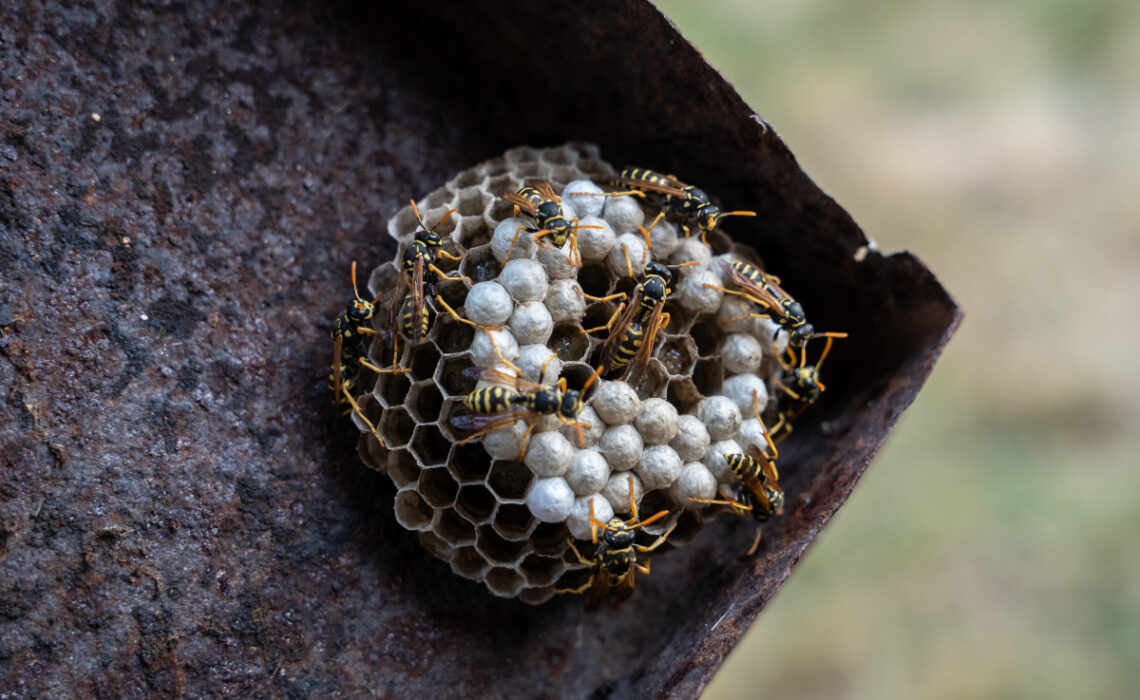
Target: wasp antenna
(628,264)
(738,213)
(645,235)
(354,290)
(593,377)
(826,349)
(684,264)
(653,519)
(632,501)
(416,211)
(443,218)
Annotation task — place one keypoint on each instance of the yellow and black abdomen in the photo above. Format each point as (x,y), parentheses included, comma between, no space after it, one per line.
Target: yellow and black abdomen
(627,349)
(491,399)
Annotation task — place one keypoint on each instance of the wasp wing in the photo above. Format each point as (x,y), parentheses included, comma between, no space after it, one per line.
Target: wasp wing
(758,293)
(337,377)
(641,360)
(650,186)
(519,201)
(617,332)
(599,586)
(417,300)
(625,586)
(545,190)
(494,376)
(767,466)
(489,421)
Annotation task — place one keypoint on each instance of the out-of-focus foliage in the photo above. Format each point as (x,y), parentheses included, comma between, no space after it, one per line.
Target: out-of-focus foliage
(991,551)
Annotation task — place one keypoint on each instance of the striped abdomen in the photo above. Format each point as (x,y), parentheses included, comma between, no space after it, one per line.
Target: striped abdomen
(408,318)
(628,347)
(491,399)
(632,175)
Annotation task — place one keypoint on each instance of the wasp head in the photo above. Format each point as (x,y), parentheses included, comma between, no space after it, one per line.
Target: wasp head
(709,216)
(659,270)
(360,310)
(429,238)
(803,332)
(617,534)
(571,404)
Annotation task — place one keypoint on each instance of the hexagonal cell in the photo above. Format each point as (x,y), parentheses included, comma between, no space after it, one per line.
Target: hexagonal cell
(536,596)
(504,582)
(396,427)
(680,318)
(452,528)
(454,292)
(451,408)
(429,445)
(652,380)
(496,549)
(472,201)
(688,525)
(708,376)
(469,563)
(439,199)
(425,360)
(391,389)
(480,264)
(451,379)
(437,487)
(383,278)
(594,280)
(707,335)
(450,335)
(469,463)
(514,522)
(500,208)
(678,354)
(683,394)
(402,468)
(425,402)
(468,178)
(550,539)
(598,315)
(541,571)
(576,375)
(533,170)
(509,480)
(370,408)
(652,503)
(563,175)
(432,543)
(370,452)
(569,342)
(475,503)
(412,511)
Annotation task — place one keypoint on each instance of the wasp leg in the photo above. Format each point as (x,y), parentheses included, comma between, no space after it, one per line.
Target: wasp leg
(656,220)
(735,505)
(444,276)
(525,437)
(643,568)
(767,432)
(580,589)
(515,239)
(656,543)
(618,295)
(755,542)
(449,256)
(581,559)
(608,324)
(360,414)
(485,329)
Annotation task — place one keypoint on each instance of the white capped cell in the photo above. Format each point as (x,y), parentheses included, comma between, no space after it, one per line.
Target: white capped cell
(616,491)
(505,442)
(531,323)
(488,304)
(659,466)
(714,460)
(595,239)
(621,446)
(615,402)
(692,249)
(524,279)
(739,389)
(548,454)
(720,416)
(565,302)
(694,295)
(695,481)
(692,439)
(631,247)
(741,353)
(579,520)
(593,427)
(657,421)
(484,343)
(513,229)
(586,197)
(588,472)
(550,500)
(531,361)
(624,213)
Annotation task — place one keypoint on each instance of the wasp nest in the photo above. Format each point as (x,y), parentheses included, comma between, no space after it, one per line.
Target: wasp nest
(506,522)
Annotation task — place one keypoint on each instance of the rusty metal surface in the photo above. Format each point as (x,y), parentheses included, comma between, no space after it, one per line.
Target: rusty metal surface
(181,511)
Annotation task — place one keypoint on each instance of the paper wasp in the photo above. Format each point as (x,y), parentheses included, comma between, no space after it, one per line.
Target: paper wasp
(634,326)
(801,386)
(759,489)
(518,399)
(677,198)
(764,289)
(408,314)
(350,335)
(615,563)
(541,204)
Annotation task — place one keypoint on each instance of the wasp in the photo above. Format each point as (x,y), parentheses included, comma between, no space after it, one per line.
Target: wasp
(758,489)
(541,204)
(634,326)
(615,563)
(677,198)
(801,386)
(350,348)
(515,399)
(764,289)
(407,313)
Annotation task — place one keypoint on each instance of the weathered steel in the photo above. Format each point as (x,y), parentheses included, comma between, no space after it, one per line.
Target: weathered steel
(181,510)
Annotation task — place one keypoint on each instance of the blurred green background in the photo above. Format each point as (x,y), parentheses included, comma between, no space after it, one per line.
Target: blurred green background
(993,548)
